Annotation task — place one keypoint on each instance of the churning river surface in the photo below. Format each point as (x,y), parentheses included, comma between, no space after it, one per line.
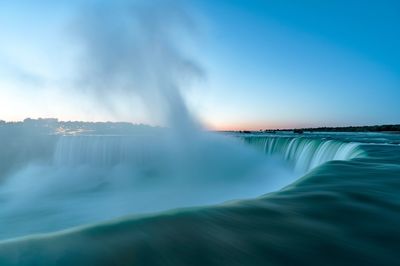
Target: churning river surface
(206,199)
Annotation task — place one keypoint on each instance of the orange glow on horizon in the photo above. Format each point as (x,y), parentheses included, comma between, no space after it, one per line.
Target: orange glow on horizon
(249,126)
(255,126)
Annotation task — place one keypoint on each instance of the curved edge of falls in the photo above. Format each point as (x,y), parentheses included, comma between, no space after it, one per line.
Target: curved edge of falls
(305,153)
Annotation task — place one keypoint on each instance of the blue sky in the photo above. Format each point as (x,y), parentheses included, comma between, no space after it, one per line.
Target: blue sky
(268,64)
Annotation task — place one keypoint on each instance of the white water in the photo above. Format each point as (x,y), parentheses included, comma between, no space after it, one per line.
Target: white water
(305,153)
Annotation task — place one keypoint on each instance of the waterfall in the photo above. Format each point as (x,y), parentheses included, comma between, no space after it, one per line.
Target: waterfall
(305,153)
(100,150)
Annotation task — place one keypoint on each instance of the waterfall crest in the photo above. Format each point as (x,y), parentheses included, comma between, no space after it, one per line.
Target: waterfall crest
(99,150)
(305,153)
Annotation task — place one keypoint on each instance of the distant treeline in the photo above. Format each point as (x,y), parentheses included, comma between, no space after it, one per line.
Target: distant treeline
(376,128)
(54,126)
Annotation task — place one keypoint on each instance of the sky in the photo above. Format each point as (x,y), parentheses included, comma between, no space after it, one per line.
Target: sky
(266,64)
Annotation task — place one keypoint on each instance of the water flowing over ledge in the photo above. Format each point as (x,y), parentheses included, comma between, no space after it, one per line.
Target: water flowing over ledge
(98,150)
(305,153)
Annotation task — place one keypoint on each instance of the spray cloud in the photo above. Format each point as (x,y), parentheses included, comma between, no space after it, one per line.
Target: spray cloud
(134,50)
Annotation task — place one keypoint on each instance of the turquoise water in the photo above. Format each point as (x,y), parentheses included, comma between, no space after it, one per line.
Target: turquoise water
(344,209)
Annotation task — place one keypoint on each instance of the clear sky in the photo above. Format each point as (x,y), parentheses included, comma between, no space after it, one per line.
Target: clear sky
(268,64)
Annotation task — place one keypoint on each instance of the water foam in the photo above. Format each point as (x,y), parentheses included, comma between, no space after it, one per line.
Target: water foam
(305,153)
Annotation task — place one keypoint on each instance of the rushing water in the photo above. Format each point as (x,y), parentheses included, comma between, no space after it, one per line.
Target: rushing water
(305,153)
(345,209)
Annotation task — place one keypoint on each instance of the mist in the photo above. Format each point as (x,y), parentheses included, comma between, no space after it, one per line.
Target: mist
(96,178)
(134,53)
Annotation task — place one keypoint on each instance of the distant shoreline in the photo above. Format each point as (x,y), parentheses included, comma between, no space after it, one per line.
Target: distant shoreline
(390,129)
